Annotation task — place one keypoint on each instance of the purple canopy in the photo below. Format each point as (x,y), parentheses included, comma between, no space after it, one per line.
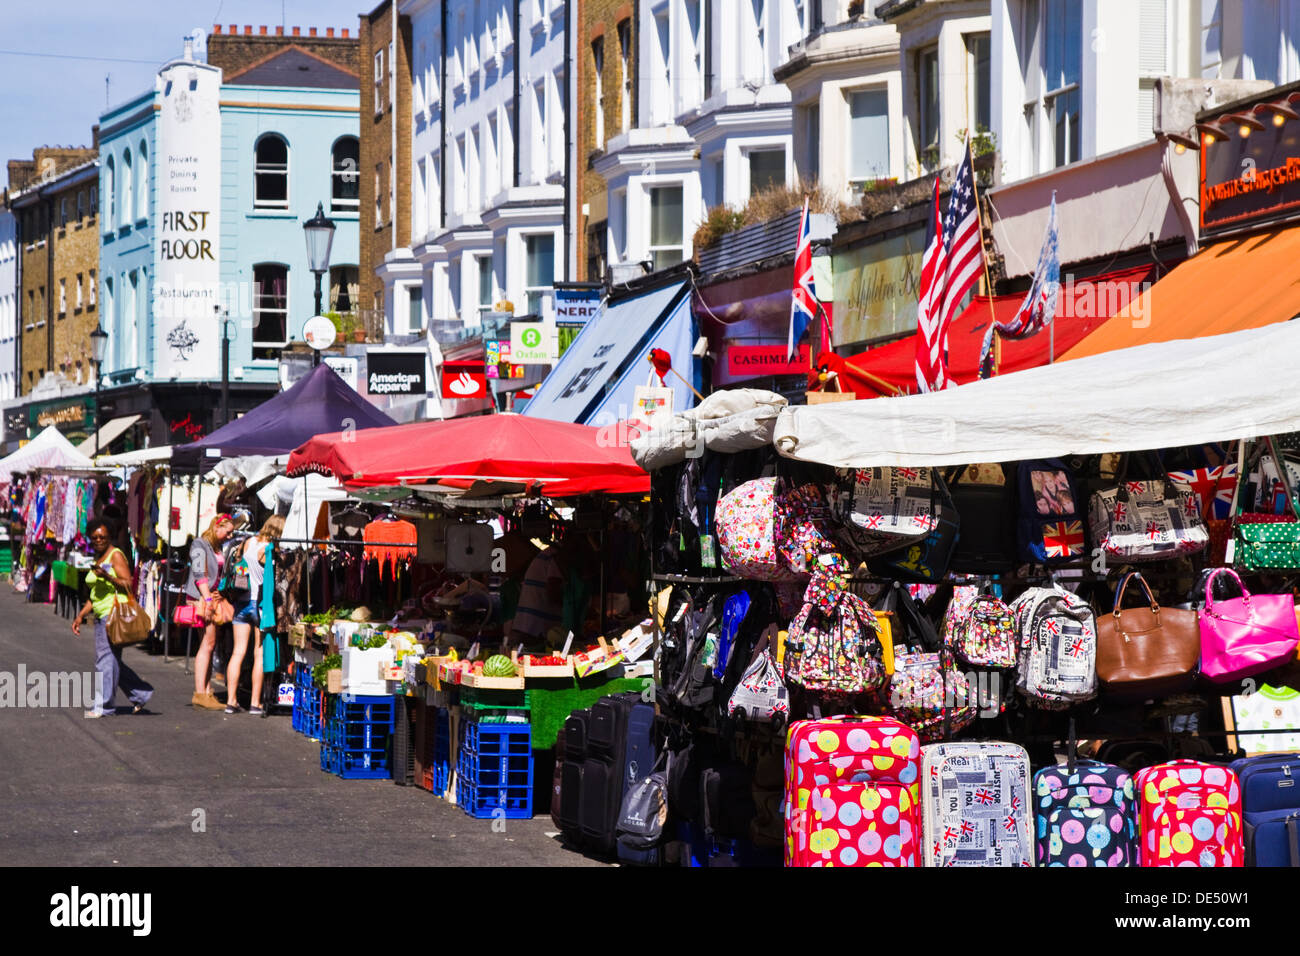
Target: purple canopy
(316,404)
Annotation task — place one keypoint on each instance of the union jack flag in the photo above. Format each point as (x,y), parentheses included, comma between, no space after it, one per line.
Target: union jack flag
(910,474)
(1154,531)
(1015,804)
(1063,539)
(1076,647)
(1135,487)
(873,521)
(950,834)
(804,304)
(1039,307)
(1121,512)
(1192,506)
(984,795)
(1009,824)
(967,828)
(954,253)
(1052,627)
(1213,486)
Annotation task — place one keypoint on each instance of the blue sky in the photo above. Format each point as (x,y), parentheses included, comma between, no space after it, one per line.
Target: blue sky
(55,99)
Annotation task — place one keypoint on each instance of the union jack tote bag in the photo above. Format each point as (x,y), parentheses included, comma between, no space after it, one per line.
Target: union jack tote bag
(1152,520)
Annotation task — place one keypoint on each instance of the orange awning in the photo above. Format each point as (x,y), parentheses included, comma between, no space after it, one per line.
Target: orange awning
(1082,308)
(1230,286)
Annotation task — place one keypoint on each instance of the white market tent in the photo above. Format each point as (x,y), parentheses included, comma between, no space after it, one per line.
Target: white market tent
(1163,395)
(49,449)
(131,459)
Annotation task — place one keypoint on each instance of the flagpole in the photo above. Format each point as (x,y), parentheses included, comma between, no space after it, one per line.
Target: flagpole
(988,281)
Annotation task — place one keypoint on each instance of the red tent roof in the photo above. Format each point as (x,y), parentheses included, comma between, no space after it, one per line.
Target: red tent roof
(562,458)
(1083,306)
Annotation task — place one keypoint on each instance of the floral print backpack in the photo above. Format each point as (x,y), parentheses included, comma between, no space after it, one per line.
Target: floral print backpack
(769,533)
(834,642)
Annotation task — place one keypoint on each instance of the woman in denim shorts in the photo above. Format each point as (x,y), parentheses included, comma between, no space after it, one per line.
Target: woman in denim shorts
(248,614)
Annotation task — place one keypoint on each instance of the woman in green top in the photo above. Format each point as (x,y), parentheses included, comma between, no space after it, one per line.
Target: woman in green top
(109,577)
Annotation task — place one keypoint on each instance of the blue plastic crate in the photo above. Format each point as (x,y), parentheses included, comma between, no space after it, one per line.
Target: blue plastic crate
(358,736)
(441,751)
(354,709)
(494,770)
(364,765)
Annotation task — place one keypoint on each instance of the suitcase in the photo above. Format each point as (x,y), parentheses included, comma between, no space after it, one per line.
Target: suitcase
(1190,815)
(1087,816)
(851,793)
(568,817)
(620,752)
(975,803)
(1270,803)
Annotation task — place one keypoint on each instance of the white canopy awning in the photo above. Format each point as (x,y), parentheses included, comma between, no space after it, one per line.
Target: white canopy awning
(1164,395)
(49,449)
(108,433)
(141,456)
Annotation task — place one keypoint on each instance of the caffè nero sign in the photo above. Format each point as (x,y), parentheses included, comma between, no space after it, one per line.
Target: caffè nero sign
(187,223)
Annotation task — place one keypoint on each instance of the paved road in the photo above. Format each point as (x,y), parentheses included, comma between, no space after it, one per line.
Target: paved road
(123,790)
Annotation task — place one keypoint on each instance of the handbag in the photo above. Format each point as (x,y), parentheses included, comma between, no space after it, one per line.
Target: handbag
(188,615)
(926,692)
(1147,520)
(987,516)
(925,561)
(1265,542)
(127,623)
(884,509)
(1246,635)
(1150,650)
(761,695)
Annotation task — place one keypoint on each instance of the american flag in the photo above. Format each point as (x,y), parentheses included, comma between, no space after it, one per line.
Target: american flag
(1039,307)
(954,253)
(804,305)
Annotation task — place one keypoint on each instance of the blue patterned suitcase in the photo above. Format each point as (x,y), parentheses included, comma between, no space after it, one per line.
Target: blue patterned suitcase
(1087,816)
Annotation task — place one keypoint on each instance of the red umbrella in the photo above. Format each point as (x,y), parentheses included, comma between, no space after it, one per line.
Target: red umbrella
(564,459)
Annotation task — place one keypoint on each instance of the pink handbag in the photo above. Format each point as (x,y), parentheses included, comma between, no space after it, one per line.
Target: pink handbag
(1246,635)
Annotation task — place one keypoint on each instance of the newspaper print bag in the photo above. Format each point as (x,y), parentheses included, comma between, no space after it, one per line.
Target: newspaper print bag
(883,509)
(1147,521)
(976,805)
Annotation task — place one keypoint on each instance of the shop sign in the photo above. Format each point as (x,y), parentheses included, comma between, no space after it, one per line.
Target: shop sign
(532,343)
(186,428)
(576,306)
(464,380)
(187,223)
(754,361)
(1256,179)
(395,373)
(73,418)
(876,287)
(346,367)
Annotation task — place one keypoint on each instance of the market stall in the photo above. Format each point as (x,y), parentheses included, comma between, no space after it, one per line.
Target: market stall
(1018,574)
(521,540)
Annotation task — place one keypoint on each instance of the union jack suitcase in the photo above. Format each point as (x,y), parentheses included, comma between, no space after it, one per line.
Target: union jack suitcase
(852,793)
(1190,815)
(975,805)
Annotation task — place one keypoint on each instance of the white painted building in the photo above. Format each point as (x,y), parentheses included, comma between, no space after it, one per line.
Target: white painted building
(713,125)
(8,305)
(846,89)
(489,154)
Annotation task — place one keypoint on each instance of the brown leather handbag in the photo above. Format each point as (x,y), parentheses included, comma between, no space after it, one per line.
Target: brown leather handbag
(1146,651)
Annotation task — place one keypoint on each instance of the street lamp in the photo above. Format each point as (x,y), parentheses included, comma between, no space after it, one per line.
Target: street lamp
(319,230)
(99,344)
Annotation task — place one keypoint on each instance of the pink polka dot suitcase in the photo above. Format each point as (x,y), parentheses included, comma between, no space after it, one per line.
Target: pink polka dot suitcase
(1190,815)
(851,796)
(975,805)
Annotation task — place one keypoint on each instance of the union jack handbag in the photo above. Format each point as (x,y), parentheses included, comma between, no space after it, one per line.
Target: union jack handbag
(1151,520)
(885,509)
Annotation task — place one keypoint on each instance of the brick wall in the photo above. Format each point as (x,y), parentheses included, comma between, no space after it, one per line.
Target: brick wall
(234,49)
(377,236)
(76,259)
(599,21)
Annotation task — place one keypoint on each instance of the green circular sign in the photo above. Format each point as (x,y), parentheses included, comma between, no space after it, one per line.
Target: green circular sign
(531,338)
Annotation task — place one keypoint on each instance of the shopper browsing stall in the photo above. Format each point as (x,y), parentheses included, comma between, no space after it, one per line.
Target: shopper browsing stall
(200,589)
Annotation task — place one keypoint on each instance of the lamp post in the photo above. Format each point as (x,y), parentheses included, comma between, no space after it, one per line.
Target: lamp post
(225,363)
(99,344)
(319,230)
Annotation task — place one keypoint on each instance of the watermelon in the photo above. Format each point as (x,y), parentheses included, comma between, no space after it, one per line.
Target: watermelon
(498,665)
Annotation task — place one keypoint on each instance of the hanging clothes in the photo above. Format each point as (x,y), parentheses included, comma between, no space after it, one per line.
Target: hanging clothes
(392,531)
(267,620)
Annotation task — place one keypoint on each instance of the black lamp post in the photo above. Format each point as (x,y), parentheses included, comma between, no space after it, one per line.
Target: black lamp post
(319,230)
(99,344)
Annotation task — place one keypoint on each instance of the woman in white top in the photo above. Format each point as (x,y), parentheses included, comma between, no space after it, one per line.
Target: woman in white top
(250,555)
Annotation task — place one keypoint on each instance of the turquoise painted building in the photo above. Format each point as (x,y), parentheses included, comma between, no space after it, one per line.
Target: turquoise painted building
(205,183)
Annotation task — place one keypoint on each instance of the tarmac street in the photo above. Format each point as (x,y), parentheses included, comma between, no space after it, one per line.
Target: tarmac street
(185,787)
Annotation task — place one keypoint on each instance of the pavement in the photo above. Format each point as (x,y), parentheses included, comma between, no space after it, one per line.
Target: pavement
(185,787)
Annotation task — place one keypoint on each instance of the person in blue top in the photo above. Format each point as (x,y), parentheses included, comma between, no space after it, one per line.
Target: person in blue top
(110,577)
